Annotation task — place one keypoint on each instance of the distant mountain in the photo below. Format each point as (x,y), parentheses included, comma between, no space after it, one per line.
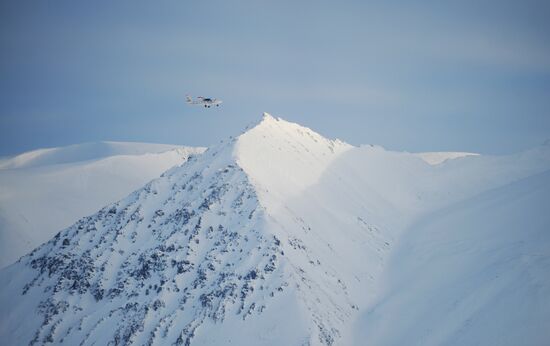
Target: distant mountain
(276,237)
(82,152)
(436,158)
(45,190)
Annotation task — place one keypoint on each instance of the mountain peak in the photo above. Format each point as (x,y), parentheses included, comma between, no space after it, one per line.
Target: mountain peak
(268,150)
(265,120)
(278,126)
(267,117)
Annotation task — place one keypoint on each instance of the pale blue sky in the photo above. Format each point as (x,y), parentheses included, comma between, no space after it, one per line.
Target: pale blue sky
(451,75)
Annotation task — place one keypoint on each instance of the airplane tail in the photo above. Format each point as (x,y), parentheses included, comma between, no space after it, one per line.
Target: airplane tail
(189,99)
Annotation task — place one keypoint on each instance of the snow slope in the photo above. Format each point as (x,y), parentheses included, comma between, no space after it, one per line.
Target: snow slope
(46,190)
(277,236)
(476,272)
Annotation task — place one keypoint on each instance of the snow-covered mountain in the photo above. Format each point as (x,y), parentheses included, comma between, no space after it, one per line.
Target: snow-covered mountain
(46,190)
(276,237)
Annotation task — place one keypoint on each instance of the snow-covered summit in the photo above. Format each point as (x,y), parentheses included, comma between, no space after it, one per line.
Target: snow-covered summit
(284,157)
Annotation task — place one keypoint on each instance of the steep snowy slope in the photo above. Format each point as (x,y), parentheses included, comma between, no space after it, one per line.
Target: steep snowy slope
(41,196)
(278,236)
(476,272)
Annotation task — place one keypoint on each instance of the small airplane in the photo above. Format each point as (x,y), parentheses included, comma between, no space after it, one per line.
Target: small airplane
(207,102)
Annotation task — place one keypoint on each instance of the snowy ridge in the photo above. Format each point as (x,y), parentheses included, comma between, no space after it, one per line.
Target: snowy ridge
(285,163)
(277,236)
(82,152)
(436,158)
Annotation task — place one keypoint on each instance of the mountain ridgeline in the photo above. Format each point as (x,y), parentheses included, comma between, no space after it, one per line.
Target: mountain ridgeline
(277,236)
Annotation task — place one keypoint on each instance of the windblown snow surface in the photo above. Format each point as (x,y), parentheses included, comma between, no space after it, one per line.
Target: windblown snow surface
(46,190)
(282,237)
